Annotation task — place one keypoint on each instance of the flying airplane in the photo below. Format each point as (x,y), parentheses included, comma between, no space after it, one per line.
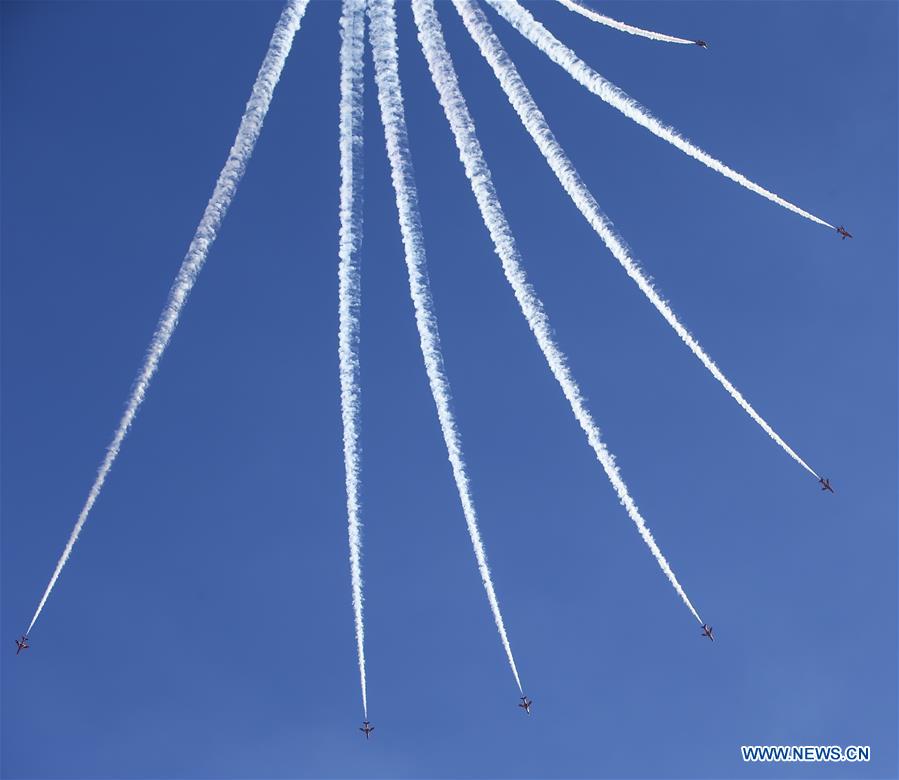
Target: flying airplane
(707,631)
(844,233)
(21,644)
(526,704)
(703,44)
(366,728)
(825,484)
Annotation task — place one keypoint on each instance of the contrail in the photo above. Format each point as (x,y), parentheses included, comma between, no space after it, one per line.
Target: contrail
(589,13)
(535,123)
(522,20)
(352,33)
(382,34)
(223,194)
(451,98)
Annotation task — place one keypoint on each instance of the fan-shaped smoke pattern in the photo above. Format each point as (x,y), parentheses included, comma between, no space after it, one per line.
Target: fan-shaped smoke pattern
(462,125)
(520,97)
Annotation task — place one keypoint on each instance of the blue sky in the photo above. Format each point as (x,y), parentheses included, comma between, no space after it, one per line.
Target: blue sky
(203,626)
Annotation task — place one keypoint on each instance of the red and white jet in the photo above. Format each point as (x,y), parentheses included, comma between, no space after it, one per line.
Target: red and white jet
(22,644)
(707,631)
(844,233)
(526,704)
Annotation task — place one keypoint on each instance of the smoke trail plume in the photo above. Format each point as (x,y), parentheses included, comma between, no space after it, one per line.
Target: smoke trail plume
(589,13)
(535,123)
(479,176)
(522,20)
(352,33)
(223,194)
(382,33)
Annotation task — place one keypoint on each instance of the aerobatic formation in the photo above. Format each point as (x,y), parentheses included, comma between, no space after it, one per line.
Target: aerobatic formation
(380,17)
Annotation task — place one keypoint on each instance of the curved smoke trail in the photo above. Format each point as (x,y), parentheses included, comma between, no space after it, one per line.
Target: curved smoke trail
(522,20)
(382,34)
(352,32)
(536,125)
(223,194)
(593,16)
(457,114)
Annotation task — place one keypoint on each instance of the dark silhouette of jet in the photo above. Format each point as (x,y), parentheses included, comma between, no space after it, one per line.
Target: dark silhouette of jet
(22,644)
(526,704)
(707,631)
(703,44)
(844,233)
(366,728)
(825,484)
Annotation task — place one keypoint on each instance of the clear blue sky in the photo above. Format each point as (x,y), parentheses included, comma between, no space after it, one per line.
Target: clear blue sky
(203,626)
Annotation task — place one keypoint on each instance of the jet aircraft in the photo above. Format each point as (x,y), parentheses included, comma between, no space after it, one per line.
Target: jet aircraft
(844,233)
(825,484)
(703,44)
(366,728)
(22,644)
(526,704)
(707,631)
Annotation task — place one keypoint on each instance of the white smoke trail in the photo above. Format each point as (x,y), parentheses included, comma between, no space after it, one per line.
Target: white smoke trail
(589,13)
(451,98)
(522,20)
(535,123)
(352,33)
(223,194)
(382,34)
